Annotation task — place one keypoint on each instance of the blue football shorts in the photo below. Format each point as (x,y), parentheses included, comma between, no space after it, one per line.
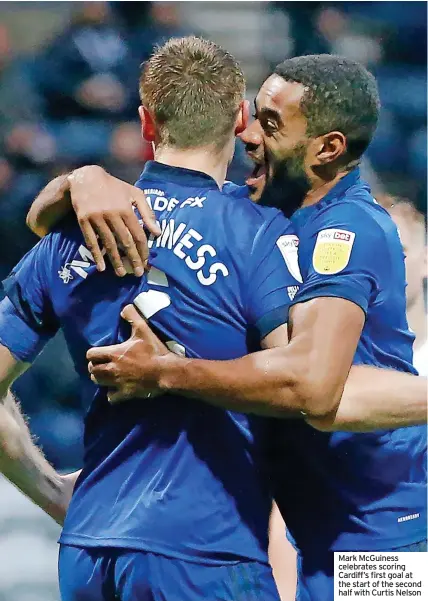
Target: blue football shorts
(104,574)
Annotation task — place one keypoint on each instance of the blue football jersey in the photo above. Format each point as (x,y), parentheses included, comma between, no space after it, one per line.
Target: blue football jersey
(172,475)
(345,491)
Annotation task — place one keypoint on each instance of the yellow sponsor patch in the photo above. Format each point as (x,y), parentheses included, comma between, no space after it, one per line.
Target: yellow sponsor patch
(332,251)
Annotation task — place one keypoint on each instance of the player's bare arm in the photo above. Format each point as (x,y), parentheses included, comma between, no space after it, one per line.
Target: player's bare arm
(21,461)
(372,398)
(378,399)
(306,376)
(104,207)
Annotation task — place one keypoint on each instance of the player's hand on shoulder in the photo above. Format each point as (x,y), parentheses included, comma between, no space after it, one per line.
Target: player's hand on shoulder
(105,209)
(130,369)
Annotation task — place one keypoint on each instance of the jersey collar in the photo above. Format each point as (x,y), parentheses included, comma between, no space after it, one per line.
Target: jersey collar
(154,171)
(339,190)
(352,179)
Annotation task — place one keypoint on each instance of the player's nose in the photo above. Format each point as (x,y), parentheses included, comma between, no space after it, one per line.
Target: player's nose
(252,136)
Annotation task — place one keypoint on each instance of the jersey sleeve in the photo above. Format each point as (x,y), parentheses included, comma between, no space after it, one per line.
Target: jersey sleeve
(343,254)
(27,320)
(273,275)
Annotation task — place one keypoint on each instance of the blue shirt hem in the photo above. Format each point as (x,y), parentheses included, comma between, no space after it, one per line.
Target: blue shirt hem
(138,544)
(335,291)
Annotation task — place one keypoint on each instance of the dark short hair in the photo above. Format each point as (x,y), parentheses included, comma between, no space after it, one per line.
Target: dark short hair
(194,88)
(341,95)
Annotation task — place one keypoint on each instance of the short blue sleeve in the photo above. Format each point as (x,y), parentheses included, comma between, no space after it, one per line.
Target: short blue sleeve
(273,275)
(343,252)
(27,320)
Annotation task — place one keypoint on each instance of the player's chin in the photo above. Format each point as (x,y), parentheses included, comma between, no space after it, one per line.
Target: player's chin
(256,183)
(256,191)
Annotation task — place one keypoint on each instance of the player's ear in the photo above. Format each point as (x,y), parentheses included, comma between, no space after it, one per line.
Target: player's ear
(243,117)
(148,127)
(330,147)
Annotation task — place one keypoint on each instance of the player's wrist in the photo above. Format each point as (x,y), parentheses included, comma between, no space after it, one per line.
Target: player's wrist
(84,178)
(172,372)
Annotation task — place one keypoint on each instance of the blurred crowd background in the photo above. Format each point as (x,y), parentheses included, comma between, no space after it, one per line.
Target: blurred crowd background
(69,97)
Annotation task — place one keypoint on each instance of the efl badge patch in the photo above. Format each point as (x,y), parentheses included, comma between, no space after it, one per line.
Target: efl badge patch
(332,251)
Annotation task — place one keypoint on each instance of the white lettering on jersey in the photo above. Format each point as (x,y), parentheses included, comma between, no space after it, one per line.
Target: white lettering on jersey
(173,238)
(78,266)
(193,202)
(213,270)
(160,203)
(169,235)
(289,247)
(407,518)
(186,242)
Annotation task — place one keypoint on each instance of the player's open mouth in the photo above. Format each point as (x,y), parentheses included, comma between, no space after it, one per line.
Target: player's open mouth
(258,176)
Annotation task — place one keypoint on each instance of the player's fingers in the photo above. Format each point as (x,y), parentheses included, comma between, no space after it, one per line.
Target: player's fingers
(91,242)
(147,215)
(139,237)
(103,375)
(101,354)
(102,379)
(141,330)
(140,327)
(109,242)
(115,397)
(134,318)
(127,241)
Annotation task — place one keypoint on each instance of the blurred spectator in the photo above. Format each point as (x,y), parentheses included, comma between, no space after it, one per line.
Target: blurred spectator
(343,38)
(18,102)
(88,69)
(19,115)
(402,28)
(412,228)
(165,22)
(87,80)
(307,39)
(149,23)
(133,15)
(127,151)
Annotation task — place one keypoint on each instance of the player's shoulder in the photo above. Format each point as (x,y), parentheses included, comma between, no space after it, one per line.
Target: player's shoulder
(235,190)
(66,231)
(358,211)
(240,207)
(64,241)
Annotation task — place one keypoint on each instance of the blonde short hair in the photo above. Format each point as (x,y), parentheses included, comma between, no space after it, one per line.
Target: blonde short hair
(193,89)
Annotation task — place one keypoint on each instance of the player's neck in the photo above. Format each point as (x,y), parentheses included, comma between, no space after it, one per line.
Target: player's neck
(417,318)
(200,159)
(321,188)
